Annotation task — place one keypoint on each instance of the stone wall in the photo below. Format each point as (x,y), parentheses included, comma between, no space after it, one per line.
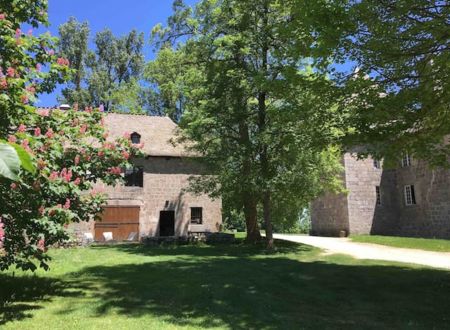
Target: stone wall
(430,217)
(329,213)
(165,179)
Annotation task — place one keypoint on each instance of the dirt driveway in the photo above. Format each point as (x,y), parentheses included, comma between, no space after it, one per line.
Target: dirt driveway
(372,251)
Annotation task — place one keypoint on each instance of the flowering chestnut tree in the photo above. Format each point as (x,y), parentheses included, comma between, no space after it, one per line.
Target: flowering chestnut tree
(63,153)
(71,152)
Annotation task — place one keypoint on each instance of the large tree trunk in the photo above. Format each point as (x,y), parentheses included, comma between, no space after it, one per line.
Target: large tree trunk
(251,220)
(262,127)
(268,220)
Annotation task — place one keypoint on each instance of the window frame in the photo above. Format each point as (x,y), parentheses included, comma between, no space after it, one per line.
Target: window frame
(137,176)
(406,160)
(409,195)
(196,219)
(135,135)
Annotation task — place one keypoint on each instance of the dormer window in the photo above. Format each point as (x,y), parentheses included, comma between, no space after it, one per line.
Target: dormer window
(135,138)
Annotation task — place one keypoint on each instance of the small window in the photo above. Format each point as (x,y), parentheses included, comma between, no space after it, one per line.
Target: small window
(410,195)
(378,193)
(377,164)
(134,177)
(196,215)
(406,161)
(135,138)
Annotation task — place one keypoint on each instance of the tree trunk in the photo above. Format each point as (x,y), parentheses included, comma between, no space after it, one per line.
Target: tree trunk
(251,220)
(268,220)
(262,127)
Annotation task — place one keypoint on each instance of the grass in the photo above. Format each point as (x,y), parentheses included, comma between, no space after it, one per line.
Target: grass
(222,287)
(429,244)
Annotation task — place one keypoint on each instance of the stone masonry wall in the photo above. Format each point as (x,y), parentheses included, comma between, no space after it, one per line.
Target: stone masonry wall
(430,217)
(165,178)
(329,213)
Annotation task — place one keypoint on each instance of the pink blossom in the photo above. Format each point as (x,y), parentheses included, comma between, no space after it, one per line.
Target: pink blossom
(53,176)
(18,33)
(13,186)
(127,135)
(51,52)
(22,128)
(40,163)
(49,133)
(37,131)
(115,170)
(66,174)
(101,153)
(83,129)
(140,145)
(41,210)
(43,112)
(62,61)
(12,139)
(83,152)
(77,181)
(2,230)
(30,32)
(25,143)
(2,17)
(77,159)
(31,89)
(10,72)
(3,84)
(101,108)
(38,67)
(67,204)
(24,99)
(41,244)
(88,109)
(125,154)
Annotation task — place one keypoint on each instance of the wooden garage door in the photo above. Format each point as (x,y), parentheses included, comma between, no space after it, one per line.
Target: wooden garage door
(121,221)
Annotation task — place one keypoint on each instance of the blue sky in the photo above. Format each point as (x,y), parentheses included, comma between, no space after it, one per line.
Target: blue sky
(121,16)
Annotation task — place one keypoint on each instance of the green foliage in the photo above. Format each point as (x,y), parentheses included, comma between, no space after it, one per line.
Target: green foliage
(12,157)
(108,75)
(251,79)
(428,244)
(63,153)
(403,46)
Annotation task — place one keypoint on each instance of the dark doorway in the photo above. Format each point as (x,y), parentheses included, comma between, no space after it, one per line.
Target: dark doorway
(167,223)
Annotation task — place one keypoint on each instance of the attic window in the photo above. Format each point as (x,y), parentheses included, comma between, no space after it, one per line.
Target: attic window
(135,138)
(406,160)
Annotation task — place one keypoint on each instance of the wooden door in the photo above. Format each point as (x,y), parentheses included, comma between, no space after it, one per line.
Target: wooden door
(120,220)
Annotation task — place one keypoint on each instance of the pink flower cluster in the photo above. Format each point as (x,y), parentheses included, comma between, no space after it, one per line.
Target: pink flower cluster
(2,231)
(3,83)
(125,154)
(66,175)
(67,204)
(11,72)
(115,170)
(41,244)
(63,61)
(2,16)
(43,112)
(22,128)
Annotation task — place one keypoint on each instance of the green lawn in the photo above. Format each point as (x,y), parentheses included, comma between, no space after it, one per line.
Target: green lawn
(223,286)
(440,245)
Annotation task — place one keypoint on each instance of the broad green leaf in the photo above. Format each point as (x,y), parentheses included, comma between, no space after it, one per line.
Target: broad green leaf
(25,159)
(9,161)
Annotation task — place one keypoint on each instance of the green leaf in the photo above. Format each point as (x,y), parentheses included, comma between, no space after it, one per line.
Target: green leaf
(9,161)
(25,159)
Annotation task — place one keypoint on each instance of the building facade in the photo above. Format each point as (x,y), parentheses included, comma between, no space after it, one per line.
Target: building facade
(154,200)
(411,200)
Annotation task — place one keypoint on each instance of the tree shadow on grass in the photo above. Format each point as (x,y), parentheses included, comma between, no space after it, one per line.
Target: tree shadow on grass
(23,294)
(274,293)
(239,248)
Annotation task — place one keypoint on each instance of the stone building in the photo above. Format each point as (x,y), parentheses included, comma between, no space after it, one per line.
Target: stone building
(410,200)
(153,201)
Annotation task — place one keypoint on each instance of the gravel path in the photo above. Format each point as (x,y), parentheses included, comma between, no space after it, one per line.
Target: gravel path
(373,251)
